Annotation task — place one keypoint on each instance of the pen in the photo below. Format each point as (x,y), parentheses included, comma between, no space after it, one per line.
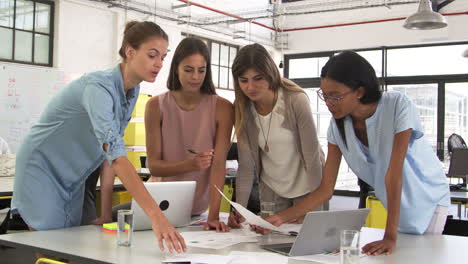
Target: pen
(195,152)
(192,151)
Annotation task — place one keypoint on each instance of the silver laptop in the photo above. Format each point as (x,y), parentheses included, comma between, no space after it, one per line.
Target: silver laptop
(320,232)
(175,200)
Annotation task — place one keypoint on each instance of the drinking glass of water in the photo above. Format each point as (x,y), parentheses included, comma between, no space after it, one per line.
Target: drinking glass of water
(349,247)
(267,209)
(124,228)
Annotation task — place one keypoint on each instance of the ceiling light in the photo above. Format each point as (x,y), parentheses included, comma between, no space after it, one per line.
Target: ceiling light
(425,18)
(465,54)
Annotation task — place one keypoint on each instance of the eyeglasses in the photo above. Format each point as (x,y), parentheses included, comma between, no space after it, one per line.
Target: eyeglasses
(333,100)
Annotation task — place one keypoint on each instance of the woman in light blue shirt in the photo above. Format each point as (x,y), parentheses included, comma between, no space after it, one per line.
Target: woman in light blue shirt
(80,130)
(382,140)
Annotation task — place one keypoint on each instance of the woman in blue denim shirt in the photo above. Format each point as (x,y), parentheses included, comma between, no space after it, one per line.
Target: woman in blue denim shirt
(80,130)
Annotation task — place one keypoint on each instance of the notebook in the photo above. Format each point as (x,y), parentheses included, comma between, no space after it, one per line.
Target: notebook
(175,199)
(320,232)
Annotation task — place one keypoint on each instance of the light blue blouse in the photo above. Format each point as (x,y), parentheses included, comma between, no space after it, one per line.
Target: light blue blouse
(424,184)
(66,145)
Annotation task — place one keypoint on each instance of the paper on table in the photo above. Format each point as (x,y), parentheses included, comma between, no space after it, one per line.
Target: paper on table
(250,217)
(214,240)
(197,259)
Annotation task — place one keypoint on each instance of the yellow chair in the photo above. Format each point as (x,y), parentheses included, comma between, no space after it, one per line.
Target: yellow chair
(49,261)
(378,214)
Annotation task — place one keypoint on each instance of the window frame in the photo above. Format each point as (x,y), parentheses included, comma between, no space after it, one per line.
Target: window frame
(34,33)
(209,43)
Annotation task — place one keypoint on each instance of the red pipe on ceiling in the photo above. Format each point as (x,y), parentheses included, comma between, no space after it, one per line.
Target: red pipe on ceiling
(308,28)
(226,14)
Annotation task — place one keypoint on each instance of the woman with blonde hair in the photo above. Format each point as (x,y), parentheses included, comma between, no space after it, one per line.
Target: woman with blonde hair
(277,139)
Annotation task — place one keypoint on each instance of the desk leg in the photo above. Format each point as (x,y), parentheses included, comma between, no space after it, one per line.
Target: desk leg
(459,210)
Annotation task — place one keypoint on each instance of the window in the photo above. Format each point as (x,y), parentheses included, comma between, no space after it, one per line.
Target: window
(456,112)
(433,60)
(222,56)
(26,31)
(306,67)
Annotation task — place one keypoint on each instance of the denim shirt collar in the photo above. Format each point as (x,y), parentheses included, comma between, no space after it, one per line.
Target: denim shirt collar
(132,93)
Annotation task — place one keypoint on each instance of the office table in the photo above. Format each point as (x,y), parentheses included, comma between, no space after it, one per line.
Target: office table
(87,244)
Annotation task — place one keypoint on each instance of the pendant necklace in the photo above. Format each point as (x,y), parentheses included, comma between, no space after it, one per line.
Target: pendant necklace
(266,148)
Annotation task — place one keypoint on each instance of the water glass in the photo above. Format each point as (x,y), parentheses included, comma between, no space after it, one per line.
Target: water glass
(349,247)
(267,209)
(124,228)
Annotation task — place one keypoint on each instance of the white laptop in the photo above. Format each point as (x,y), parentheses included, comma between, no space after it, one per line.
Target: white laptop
(175,199)
(320,232)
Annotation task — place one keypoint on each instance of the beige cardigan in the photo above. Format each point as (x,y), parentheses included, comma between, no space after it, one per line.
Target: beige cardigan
(298,119)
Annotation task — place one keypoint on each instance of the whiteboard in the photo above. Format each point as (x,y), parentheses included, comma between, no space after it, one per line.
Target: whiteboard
(24,93)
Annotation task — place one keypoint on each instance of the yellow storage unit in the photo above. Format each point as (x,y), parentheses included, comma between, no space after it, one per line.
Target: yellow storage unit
(134,158)
(141,105)
(378,214)
(135,134)
(228,190)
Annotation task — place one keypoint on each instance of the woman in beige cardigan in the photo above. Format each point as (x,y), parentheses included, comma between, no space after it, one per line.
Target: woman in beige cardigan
(277,139)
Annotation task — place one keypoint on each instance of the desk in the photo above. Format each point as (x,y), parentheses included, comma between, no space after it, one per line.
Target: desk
(6,185)
(461,197)
(87,244)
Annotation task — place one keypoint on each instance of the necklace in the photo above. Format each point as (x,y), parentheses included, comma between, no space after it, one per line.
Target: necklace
(266,148)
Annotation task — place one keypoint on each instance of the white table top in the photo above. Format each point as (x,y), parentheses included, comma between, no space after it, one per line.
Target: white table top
(87,244)
(6,185)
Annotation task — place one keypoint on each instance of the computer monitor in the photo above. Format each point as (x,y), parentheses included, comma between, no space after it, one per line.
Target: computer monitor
(458,163)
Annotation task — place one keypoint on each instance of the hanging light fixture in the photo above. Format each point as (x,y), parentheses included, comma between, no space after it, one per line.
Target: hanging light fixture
(465,53)
(425,18)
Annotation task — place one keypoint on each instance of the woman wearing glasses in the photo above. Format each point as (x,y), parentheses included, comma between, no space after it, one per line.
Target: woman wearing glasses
(382,140)
(277,140)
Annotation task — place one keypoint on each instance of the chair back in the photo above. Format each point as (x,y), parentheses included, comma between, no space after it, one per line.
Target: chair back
(455,141)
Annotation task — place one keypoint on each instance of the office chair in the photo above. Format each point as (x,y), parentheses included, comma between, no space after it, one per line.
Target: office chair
(455,141)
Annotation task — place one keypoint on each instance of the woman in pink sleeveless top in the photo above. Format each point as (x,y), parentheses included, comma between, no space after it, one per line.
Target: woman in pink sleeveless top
(188,129)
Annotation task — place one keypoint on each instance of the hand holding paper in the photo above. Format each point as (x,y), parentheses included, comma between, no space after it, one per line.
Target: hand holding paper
(250,217)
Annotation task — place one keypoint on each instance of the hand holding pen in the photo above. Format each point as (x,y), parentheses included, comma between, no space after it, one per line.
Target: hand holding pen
(202,160)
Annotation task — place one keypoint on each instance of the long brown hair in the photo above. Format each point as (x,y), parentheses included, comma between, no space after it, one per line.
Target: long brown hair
(255,56)
(136,33)
(188,47)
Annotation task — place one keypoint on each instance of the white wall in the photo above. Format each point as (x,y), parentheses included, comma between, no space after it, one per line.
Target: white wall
(85,37)
(88,36)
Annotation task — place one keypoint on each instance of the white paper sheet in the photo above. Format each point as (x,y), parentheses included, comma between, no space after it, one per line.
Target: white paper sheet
(197,259)
(214,240)
(250,217)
